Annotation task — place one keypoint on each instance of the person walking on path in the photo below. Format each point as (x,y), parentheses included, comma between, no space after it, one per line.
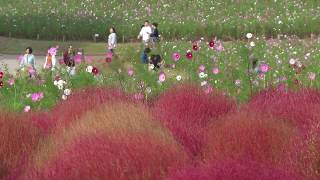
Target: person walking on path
(112,40)
(28,61)
(145,33)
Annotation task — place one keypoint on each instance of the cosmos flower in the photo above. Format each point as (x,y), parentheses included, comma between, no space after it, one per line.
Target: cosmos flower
(176,56)
(189,55)
(89,69)
(202,75)
(95,71)
(292,61)
(219,48)
(203,83)
(77,58)
(11,81)
(264,68)
(249,35)
(130,72)
(64,97)
(211,44)
(208,90)
(27,109)
(178,78)
(67,92)
(237,82)
(202,68)
(195,47)
(162,77)
(1,74)
(1,84)
(252,44)
(312,76)
(215,70)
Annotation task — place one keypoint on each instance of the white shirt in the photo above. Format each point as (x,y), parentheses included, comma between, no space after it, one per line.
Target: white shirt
(28,59)
(112,41)
(145,33)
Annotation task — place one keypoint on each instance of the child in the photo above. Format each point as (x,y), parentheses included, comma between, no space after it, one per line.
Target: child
(68,58)
(28,60)
(145,33)
(156,61)
(144,56)
(51,59)
(112,40)
(155,33)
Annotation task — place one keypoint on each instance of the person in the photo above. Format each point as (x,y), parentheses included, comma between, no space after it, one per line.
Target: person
(68,58)
(157,61)
(112,40)
(155,33)
(144,56)
(28,60)
(145,33)
(51,58)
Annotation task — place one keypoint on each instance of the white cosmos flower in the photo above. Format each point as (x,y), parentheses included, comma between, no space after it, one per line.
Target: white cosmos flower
(60,87)
(252,44)
(67,92)
(201,75)
(89,69)
(61,82)
(28,95)
(55,83)
(249,35)
(203,83)
(178,78)
(64,97)
(292,61)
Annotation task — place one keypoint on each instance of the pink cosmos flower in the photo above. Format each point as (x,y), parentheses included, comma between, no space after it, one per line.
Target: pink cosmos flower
(237,82)
(202,68)
(261,76)
(264,68)
(31,70)
(215,70)
(173,66)
(26,109)
(130,72)
(176,56)
(36,96)
(219,48)
(312,76)
(11,81)
(162,77)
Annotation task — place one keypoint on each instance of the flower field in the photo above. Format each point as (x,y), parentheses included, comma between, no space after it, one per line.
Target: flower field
(75,20)
(237,97)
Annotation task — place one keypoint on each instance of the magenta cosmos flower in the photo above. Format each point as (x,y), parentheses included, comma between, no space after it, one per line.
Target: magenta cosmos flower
(162,77)
(1,84)
(26,109)
(211,44)
(189,55)
(11,81)
(195,47)
(95,71)
(176,56)
(264,68)
(77,58)
(1,74)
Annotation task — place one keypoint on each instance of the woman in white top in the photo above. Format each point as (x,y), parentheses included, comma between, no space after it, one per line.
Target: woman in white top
(112,40)
(28,60)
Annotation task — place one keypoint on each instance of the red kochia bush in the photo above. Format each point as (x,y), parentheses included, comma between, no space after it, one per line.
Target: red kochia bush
(229,169)
(301,108)
(186,110)
(75,106)
(18,138)
(115,140)
(110,157)
(251,135)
